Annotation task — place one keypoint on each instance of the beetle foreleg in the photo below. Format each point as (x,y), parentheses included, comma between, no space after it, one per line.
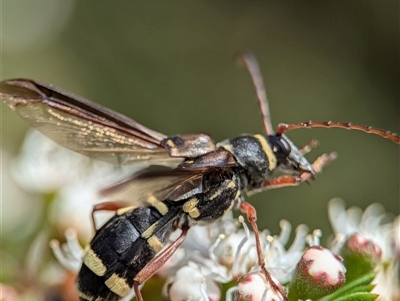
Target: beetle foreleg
(252,218)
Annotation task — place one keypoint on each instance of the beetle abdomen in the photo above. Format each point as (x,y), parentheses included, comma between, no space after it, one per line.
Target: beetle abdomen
(120,249)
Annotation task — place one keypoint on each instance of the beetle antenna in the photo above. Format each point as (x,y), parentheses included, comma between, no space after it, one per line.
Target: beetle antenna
(283,127)
(251,64)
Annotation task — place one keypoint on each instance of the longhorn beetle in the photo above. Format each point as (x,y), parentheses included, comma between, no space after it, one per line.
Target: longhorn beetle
(200,180)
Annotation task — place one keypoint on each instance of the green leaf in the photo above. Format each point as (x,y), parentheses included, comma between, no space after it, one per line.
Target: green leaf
(363,288)
(360,285)
(360,296)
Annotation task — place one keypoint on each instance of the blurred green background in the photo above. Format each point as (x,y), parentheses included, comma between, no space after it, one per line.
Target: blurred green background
(169,66)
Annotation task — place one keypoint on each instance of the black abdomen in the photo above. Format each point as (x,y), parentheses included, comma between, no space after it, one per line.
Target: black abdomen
(120,249)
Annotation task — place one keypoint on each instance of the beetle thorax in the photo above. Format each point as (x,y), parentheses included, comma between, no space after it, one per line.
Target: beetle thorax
(254,154)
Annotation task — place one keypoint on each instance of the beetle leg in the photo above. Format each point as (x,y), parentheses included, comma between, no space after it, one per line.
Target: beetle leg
(157,262)
(281,181)
(252,218)
(106,206)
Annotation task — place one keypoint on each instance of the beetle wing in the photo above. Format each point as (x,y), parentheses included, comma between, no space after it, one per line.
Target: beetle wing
(150,186)
(93,130)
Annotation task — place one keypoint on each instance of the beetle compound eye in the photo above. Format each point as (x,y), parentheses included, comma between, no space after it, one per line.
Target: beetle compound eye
(280,146)
(285,146)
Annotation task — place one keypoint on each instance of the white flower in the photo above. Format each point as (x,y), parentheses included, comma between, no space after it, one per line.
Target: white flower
(191,283)
(368,224)
(232,253)
(281,262)
(387,281)
(71,253)
(372,225)
(200,247)
(20,211)
(45,167)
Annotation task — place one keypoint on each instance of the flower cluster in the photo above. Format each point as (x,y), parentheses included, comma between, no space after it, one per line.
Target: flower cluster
(71,180)
(219,260)
(225,252)
(59,189)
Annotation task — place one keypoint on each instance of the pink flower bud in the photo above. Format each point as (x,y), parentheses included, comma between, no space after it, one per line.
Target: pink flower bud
(318,273)
(360,256)
(254,287)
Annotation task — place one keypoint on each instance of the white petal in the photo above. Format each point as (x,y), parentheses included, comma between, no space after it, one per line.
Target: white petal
(188,284)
